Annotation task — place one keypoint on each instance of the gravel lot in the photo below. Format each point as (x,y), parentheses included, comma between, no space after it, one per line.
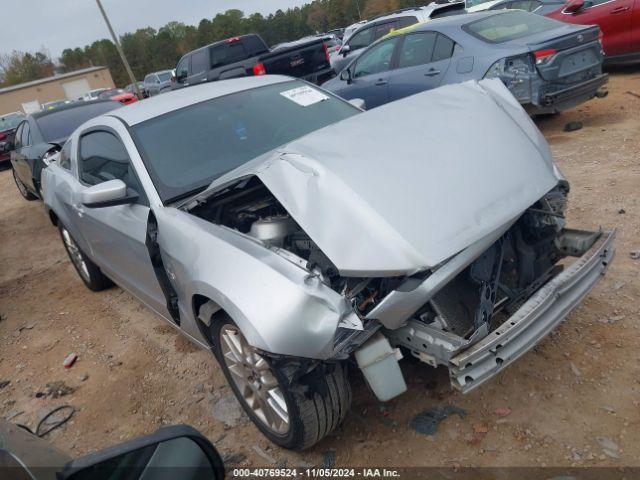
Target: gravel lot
(573,400)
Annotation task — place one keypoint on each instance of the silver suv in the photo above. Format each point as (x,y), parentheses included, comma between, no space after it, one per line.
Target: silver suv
(377,28)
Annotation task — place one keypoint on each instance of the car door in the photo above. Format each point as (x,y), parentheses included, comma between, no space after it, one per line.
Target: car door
(115,235)
(17,146)
(148,87)
(183,71)
(200,65)
(615,19)
(635,27)
(423,61)
(370,74)
(21,156)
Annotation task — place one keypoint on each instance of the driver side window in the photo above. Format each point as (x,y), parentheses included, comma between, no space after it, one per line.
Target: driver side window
(25,135)
(377,59)
(361,39)
(17,141)
(183,67)
(103,157)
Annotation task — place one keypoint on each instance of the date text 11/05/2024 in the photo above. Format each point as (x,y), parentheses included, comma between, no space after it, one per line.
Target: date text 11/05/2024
(240,473)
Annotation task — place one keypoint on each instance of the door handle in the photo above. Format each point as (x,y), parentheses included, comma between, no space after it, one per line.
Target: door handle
(381,81)
(432,73)
(620,9)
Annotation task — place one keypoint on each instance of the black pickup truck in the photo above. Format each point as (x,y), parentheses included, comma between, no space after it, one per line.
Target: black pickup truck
(249,55)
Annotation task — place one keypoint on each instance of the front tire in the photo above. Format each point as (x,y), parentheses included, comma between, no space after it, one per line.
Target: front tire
(26,194)
(293,411)
(88,271)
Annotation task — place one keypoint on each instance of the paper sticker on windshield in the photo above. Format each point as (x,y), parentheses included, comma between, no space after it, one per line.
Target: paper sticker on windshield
(304,96)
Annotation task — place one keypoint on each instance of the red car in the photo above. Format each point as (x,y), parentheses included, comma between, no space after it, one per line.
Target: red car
(119,95)
(619,22)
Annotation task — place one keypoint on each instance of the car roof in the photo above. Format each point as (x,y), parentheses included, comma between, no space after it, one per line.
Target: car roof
(406,12)
(184,97)
(68,106)
(451,21)
(428,9)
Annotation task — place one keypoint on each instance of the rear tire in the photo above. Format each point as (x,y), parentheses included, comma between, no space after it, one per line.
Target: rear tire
(26,194)
(314,403)
(88,271)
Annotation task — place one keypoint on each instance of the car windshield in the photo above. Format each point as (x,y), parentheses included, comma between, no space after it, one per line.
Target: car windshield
(164,76)
(10,121)
(185,150)
(508,26)
(61,123)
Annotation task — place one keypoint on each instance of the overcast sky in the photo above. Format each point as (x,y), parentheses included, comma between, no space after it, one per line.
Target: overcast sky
(28,25)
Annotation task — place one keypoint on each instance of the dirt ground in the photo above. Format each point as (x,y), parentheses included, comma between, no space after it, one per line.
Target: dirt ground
(559,405)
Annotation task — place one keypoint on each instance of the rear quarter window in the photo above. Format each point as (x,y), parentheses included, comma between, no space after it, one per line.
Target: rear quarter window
(507,26)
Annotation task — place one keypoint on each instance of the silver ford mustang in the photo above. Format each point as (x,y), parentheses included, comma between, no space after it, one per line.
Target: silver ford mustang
(289,231)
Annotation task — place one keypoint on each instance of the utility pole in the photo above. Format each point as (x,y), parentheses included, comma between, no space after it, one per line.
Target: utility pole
(119,48)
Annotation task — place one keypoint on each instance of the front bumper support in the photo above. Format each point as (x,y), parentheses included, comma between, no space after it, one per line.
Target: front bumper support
(533,320)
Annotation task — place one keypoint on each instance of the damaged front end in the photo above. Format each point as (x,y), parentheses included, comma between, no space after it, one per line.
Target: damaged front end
(484,308)
(474,313)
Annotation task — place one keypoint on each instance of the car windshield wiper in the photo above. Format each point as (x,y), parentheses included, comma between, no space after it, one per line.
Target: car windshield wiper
(184,195)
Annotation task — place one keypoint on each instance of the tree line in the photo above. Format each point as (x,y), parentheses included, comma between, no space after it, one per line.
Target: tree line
(149,50)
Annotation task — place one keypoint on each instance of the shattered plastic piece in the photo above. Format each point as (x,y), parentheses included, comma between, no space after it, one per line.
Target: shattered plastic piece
(427,422)
(70,360)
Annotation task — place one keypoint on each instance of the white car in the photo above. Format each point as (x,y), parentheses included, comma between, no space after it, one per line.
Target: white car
(93,94)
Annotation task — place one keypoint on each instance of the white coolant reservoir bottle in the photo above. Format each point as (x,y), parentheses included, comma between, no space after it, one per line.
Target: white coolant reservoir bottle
(379,364)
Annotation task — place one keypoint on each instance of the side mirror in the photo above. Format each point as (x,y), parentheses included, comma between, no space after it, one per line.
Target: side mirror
(574,6)
(344,51)
(345,75)
(358,103)
(171,452)
(107,194)
(6,146)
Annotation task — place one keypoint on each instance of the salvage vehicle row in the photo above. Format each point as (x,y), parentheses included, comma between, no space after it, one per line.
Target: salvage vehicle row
(547,65)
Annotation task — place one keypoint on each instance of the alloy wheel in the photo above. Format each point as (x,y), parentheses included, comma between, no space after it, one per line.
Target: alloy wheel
(75,254)
(254,380)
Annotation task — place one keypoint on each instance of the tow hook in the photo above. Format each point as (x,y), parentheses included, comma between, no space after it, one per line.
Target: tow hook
(602,92)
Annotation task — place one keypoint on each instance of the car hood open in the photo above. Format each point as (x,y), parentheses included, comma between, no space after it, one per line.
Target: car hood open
(404,187)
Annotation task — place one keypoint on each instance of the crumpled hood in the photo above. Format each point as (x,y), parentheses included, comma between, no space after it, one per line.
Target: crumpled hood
(405,186)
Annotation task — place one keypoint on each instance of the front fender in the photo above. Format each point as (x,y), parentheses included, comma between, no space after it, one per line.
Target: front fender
(277,304)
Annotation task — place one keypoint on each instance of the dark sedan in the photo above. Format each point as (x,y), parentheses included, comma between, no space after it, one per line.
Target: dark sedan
(8,125)
(42,134)
(547,65)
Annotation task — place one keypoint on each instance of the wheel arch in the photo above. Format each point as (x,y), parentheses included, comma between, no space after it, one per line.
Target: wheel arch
(206,312)
(53,216)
